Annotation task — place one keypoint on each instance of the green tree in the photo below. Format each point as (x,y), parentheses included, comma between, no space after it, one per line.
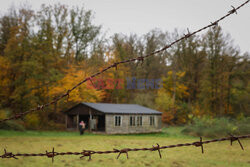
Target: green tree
(83,31)
(220,72)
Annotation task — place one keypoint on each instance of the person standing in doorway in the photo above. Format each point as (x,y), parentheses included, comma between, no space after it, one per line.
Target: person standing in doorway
(82,127)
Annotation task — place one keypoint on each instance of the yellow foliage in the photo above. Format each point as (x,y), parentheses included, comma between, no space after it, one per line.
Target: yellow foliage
(80,94)
(2,114)
(32,121)
(4,77)
(169,84)
(164,101)
(4,69)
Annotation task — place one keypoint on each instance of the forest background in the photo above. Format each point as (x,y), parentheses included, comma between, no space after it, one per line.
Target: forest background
(44,53)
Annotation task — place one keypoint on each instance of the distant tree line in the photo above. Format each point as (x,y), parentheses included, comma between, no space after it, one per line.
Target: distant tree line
(43,53)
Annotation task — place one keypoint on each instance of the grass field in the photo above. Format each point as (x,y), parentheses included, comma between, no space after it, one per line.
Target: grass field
(216,154)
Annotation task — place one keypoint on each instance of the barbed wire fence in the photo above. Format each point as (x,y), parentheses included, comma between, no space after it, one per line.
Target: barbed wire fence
(89,153)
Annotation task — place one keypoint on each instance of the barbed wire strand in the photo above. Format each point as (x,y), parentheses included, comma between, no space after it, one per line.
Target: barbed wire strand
(89,153)
(141,58)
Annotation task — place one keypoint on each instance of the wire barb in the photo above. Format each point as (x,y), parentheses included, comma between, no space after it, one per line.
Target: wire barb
(8,155)
(125,150)
(199,144)
(233,10)
(186,36)
(115,65)
(157,148)
(86,153)
(67,94)
(51,154)
(40,107)
(233,138)
(141,58)
(17,116)
(90,79)
(215,24)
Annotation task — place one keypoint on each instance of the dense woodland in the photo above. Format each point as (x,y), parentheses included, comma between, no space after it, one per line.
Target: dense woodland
(43,53)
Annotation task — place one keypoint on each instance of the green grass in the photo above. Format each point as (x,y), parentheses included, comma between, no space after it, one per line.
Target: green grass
(166,132)
(216,154)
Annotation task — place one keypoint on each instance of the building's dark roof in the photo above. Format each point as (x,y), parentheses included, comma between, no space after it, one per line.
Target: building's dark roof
(121,108)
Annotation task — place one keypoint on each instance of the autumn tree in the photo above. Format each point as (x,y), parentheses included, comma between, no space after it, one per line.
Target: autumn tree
(16,53)
(172,106)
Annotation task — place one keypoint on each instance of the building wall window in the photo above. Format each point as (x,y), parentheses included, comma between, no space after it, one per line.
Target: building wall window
(132,121)
(152,120)
(139,120)
(118,120)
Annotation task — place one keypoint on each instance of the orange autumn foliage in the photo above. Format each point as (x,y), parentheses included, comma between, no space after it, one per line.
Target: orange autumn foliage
(80,94)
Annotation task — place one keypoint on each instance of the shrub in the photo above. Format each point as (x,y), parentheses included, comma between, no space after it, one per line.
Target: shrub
(55,126)
(11,125)
(243,126)
(217,127)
